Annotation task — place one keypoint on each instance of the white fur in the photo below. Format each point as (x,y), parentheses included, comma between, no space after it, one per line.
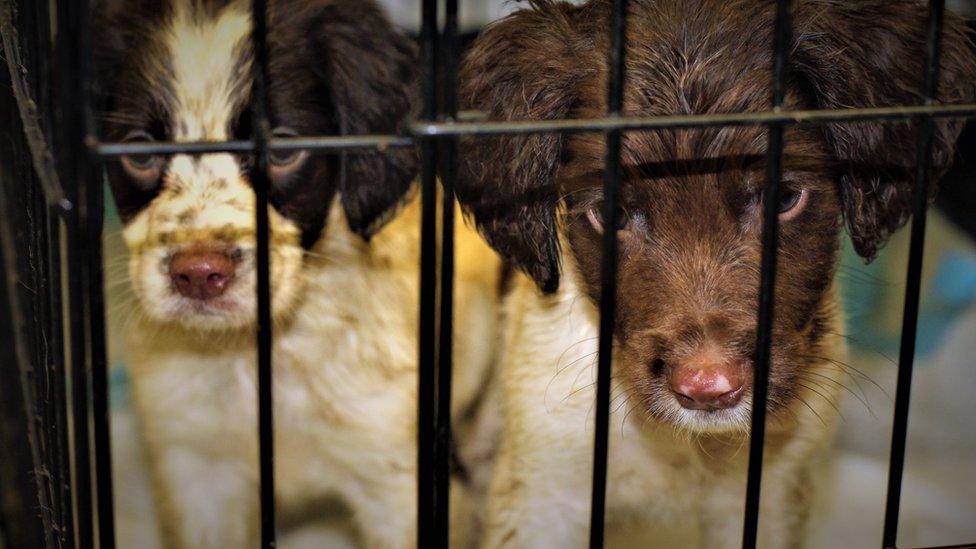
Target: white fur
(345,386)
(345,334)
(206,84)
(682,487)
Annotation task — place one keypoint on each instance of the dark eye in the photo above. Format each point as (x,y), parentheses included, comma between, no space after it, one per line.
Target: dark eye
(792,202)
(143,168)
(595,217)
(284,162)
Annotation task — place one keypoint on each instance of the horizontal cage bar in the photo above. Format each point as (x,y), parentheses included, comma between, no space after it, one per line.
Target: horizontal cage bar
(967,110)
(328,142)
(421,129)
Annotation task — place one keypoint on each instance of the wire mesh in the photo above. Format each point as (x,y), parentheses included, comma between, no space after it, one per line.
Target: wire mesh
(435,133)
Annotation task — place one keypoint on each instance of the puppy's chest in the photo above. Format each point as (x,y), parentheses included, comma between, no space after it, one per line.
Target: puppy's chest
(662,476)
(329,380)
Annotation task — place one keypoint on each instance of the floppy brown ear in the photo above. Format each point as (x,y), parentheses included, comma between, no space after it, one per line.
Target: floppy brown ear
(871,53)
(370,69)
(118,27)
(520,68)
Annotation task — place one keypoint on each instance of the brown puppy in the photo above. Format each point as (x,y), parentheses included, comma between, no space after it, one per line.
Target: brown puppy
(689,230)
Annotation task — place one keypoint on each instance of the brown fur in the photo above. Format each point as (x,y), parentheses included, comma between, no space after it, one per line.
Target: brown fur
(690,270)
(327,77)
(691,224)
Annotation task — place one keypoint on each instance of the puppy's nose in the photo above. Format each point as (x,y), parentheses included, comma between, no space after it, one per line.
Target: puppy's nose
(201,275)
(709,385)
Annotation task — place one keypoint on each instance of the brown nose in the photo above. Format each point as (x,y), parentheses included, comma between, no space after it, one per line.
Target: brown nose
(201,275)
(709,384)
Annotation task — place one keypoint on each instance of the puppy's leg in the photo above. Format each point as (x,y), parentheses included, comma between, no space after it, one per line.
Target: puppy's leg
(385,506)
(785,506)
(540,493)
(787,512)
(205,501)
(721,517)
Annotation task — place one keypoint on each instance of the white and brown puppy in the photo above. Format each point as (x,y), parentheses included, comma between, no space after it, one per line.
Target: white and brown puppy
(343,275)
(689,231)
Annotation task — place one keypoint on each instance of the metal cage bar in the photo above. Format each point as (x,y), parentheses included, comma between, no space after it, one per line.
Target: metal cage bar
(576,125)
(608,274)
(83,219)
(94,218)
(310,143)
(71,160)
(770,242)
(448,108)
(27,42)
(436,133)
(427,512)
(422,128)
(261,182)
(909,325)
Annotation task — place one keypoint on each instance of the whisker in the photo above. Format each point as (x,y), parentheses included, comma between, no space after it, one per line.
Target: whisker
(829,401)
(804,402)
(862,398)
(852,368)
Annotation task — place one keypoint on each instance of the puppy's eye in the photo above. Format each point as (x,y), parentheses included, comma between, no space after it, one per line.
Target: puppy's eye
(792,202)
(283,163)
(143,168)
(595,217)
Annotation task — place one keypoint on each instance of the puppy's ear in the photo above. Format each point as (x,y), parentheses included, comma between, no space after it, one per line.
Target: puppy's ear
(370,71)
(520,68)
(117,27)
(871,53)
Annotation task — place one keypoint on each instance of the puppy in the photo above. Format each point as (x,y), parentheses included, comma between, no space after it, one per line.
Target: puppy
(689,231)
(344,271)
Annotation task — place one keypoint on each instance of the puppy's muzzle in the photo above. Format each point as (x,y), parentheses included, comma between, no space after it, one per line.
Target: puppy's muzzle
(201,275)
(709,384)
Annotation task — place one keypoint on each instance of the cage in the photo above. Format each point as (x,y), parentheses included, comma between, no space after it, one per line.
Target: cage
(55,376)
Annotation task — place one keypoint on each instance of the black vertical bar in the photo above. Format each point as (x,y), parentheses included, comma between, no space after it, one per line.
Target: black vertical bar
(25,511)
(58,372)
(427,352)
(32,47)
(95,205)
(261,184)
(84,226)
(70,152)
(448,160)
(770,239)
(909,323)
(608,279)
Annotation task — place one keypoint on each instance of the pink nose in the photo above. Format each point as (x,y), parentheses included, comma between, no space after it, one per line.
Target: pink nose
(709,385)
(201,275)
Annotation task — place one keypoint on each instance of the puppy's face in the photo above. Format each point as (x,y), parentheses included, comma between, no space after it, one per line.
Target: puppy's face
(182,71)
(690,220)
(689,232)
